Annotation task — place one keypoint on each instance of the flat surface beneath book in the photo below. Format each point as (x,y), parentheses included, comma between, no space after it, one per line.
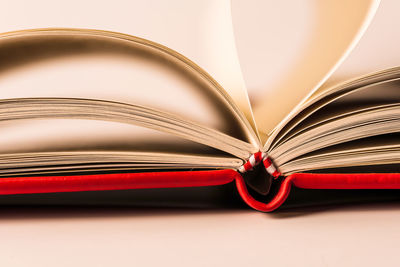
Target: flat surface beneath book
(351,235)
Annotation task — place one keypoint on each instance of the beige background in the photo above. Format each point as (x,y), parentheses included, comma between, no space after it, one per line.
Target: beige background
(364,235)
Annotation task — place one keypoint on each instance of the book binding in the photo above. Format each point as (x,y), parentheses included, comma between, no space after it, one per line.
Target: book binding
(122,181)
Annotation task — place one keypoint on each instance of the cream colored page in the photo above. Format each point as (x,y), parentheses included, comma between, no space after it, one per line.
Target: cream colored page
(378,48)
(107,70)
(288,48)
(200,30)
(90,64)
(52,135)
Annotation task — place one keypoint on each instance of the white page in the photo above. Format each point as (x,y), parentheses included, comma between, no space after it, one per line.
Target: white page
(288,48)
(378,48)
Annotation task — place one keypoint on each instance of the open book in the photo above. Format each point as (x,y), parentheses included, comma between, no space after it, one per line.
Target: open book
(85,109)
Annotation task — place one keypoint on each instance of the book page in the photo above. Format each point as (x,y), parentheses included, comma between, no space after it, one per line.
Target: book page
(348,119)
(62,64)
(363,124)
(331,108)
(287,49)
(200,30)
(115,147)
(380,151)
(377,48)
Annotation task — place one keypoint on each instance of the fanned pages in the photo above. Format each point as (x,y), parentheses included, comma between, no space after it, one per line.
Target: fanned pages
(200,30)
(79,75)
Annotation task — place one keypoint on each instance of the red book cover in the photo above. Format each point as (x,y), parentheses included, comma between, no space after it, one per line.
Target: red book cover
(121,181)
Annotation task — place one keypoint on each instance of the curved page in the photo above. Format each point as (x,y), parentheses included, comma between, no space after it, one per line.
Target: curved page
(377,49)
(89,64)
(200,30)
(287,49)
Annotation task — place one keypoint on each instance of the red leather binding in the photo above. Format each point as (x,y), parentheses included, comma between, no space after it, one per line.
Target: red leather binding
(278,200)
(50,184)
(321,181)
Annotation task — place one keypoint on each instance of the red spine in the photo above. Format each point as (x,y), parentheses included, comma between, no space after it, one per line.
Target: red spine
(51,184)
